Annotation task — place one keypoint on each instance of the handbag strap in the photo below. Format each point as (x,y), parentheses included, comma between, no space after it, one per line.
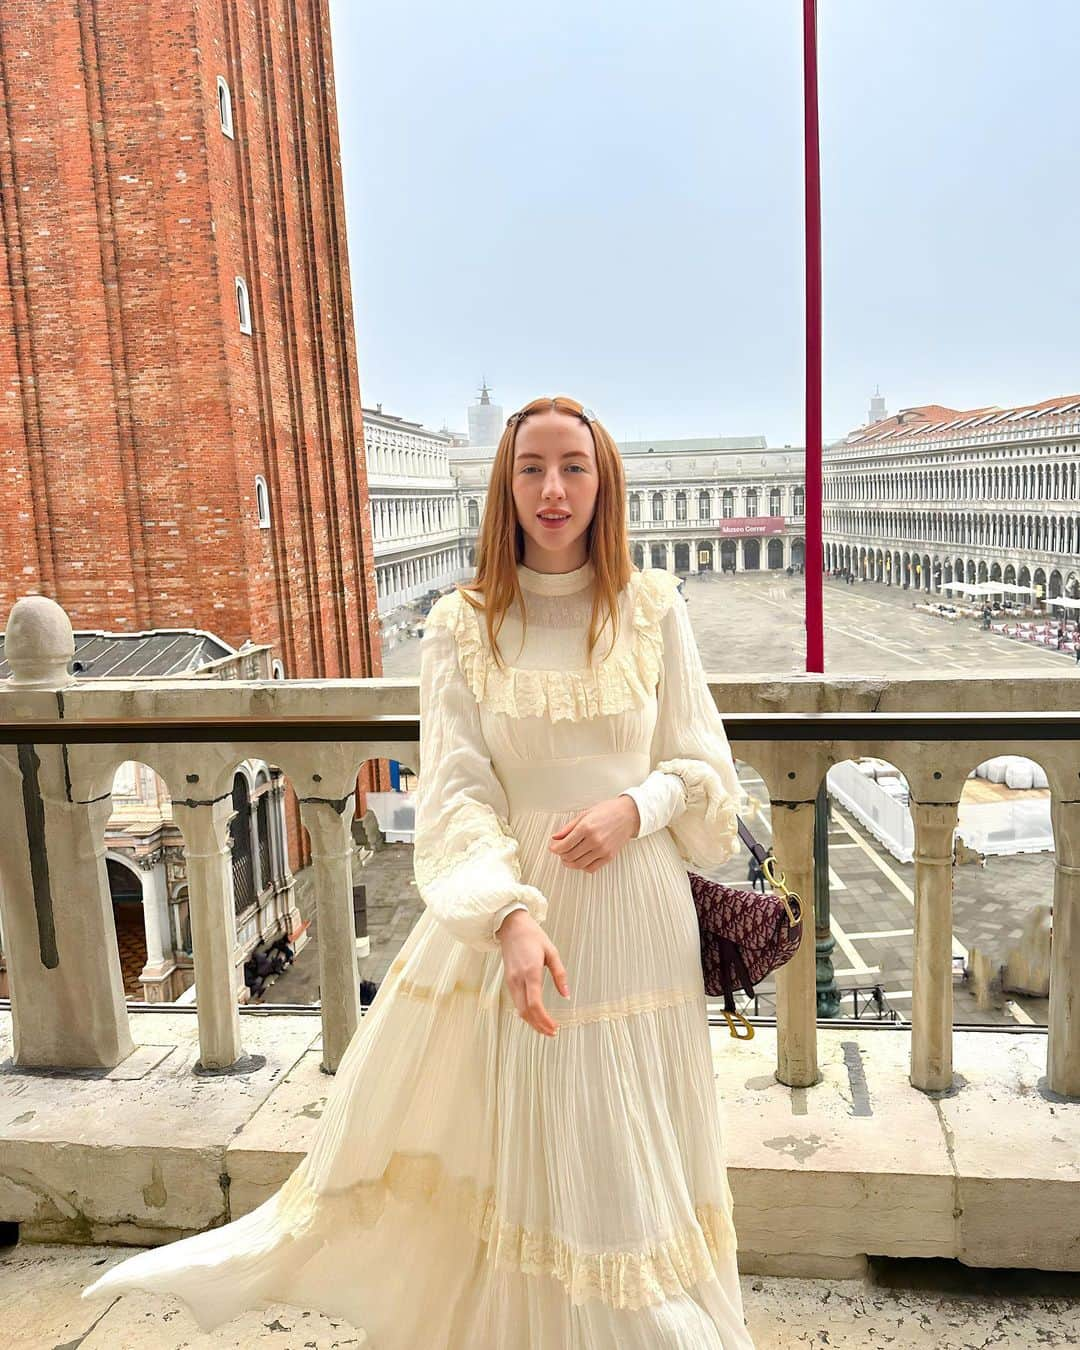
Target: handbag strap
(759,851)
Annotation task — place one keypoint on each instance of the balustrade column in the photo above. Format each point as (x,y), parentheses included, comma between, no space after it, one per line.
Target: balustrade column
(1063,1048)
(67,991)
(54,885)
(931,989)
(796,982)
(150,873)
(329,823)
(205,827)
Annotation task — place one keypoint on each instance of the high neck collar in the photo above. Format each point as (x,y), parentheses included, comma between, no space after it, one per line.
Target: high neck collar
(556,583)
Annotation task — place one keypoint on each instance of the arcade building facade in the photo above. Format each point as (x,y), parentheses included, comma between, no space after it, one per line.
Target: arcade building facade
(933,495)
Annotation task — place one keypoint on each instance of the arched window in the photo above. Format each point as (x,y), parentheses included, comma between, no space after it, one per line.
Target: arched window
(224,103)
(799,504)
(277,670)
(728,506)
(262,501)
(243,874)
(243,305)
(751,501)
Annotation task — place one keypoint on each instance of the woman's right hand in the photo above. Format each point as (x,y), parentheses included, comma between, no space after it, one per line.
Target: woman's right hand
(526,950)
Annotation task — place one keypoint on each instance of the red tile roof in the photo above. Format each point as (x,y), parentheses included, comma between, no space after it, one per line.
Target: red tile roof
(931,419)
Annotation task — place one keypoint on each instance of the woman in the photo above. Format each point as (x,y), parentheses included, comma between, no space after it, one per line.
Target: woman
(522,1148)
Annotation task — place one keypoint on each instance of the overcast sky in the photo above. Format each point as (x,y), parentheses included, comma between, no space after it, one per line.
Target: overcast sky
(605,200)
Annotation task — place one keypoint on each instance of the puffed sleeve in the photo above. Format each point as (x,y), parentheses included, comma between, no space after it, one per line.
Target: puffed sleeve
(465,858)
(693,788)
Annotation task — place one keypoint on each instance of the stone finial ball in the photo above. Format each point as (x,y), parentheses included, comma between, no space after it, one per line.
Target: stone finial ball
(39,643)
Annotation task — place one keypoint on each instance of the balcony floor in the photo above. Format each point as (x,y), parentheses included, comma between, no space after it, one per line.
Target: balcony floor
(825,1179)
(40,1286)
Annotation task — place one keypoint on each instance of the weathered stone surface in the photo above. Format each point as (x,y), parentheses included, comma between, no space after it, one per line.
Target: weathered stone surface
(860,1164)
(96,1156)
(40,1306)
(278,1135)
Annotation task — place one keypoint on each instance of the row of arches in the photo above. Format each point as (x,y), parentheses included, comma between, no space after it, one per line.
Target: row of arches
(753,499)
(739,555)
(931,572)
(148,877)
(1049,481)
(406,518)
(1036,533)
(395,456)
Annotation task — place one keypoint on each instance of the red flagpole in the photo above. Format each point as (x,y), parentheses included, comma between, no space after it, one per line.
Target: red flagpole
(814,554)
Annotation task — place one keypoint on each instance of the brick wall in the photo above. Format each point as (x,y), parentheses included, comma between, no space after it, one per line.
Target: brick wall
(135,415)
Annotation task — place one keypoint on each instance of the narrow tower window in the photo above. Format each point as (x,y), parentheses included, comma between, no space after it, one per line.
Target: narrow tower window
(224,102)
(262,501)
(243,305)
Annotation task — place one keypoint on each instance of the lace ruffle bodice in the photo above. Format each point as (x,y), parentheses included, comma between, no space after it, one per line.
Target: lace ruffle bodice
(543,644)
(547,709)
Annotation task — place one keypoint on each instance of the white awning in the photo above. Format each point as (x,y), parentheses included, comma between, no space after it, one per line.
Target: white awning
(989,588)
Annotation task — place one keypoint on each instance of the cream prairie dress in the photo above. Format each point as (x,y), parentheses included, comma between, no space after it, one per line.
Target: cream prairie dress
(474,1185)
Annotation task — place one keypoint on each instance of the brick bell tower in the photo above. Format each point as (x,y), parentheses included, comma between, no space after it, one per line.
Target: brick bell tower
(181,436)
(181,442)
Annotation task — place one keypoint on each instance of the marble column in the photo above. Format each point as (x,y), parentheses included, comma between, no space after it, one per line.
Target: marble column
(796,983)
(205,827)
(330,827)
(1063,1047)
(931,989)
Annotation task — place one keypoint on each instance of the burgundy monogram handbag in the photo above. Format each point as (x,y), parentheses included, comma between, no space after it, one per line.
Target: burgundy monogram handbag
(744,935)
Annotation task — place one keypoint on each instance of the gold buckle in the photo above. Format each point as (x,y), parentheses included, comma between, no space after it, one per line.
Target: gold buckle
(777,883)
(731,1025)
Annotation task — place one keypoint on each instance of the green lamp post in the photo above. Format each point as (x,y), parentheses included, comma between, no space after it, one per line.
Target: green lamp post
(828,996)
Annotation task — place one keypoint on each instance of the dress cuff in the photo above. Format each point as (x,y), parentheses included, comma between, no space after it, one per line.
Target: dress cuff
(660,799)
(502,913)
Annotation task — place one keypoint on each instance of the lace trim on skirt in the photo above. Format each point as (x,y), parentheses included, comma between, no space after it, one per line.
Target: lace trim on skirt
(610,1011)
(633,1278)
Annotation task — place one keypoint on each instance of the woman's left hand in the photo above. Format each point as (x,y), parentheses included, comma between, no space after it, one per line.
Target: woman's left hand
(594,836)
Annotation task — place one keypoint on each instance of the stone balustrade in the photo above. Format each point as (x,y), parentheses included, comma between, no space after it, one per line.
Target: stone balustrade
(62,740)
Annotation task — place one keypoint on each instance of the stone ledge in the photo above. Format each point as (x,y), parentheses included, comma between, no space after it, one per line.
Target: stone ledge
(821,1177)
(988,1174)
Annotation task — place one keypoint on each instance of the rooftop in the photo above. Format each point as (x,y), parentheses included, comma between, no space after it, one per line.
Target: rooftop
(934,420)
(160,652)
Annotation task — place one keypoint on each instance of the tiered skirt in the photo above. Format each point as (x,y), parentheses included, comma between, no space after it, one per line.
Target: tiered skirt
(474,1185)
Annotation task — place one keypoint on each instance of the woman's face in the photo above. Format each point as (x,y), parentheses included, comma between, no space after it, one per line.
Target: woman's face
(555,472)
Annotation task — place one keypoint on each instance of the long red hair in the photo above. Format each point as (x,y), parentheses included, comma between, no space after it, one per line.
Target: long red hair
(500,544)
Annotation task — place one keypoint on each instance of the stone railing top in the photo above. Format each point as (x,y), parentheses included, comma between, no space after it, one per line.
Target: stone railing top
(29,697)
